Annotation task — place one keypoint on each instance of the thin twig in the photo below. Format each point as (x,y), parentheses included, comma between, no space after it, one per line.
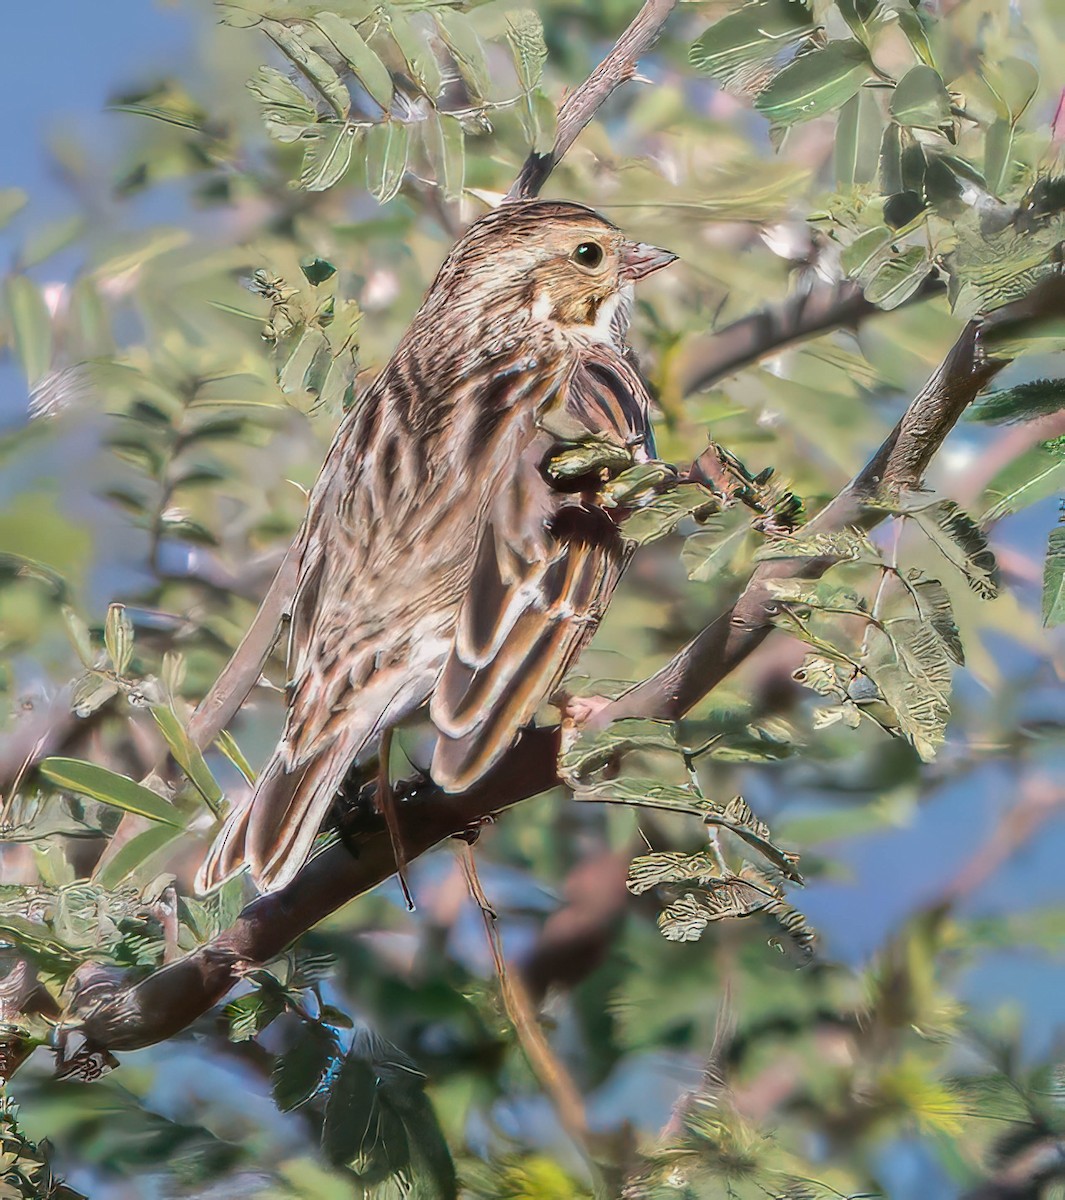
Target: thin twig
(581,105)
(553,1077)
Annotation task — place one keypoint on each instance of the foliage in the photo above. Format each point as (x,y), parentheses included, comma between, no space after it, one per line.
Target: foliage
(184,383)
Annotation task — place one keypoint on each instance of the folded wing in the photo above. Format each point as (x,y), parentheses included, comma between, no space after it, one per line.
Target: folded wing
(547,563)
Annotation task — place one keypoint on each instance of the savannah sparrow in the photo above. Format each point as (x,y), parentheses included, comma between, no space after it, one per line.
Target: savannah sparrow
(439,562)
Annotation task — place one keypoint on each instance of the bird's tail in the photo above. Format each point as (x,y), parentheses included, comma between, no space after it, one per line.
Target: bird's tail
(273,831)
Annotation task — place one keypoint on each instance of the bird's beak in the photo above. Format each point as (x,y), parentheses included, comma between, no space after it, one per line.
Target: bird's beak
(638,259)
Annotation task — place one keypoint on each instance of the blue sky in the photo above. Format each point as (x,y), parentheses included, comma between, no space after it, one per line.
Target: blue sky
(62,61)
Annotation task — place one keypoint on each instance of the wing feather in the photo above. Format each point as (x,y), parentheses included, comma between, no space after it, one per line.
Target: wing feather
(545,567)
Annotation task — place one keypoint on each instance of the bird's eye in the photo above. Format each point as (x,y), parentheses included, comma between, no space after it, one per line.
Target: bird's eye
(588,254)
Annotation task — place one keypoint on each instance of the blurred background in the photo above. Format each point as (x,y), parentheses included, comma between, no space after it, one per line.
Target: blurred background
(156,451)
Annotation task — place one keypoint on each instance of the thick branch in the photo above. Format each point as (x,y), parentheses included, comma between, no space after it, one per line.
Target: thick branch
(580,106)
(170,999)
(805,314)
(173,997)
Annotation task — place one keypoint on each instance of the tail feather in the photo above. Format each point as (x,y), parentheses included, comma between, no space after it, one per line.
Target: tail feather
(286,821)
(272,833)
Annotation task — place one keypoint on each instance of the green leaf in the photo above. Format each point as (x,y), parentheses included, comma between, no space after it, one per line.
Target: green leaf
(300,372)
(328,156)
(12,201)
(898,277)
(311,63)
(188,756)
(920,100)
(933,603)
(644,793)
(1054,579)
(317,270)
(752,36)
(594,749)
(1022,402)
(944,186)
(32,327)
(921,652)
(365,64)
(118,637)
(738,818)
(903,208)
(249,1015)
(284,101)
(998,156)
(379,1122)
(91,692)
(387,148)
(417,52)
(108,787)
(855,152)
(134,853)
(815,83)
(227,744)
(525,33)
(686,919)
(920,711)
(843,545)
(80,637)
(711,552)
(445,142)
(299,1072)
(461,39)
(1013,83)
(913,27)
(858,14)
(862,258)
(660,516)
(637,482)
(648,871)
(1034,475)
(891,160)
(963,543)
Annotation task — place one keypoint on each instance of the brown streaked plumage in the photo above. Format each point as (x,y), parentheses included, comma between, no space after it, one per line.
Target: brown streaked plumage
(439,564)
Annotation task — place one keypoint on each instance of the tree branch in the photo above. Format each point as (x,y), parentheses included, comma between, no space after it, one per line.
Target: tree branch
(580,106)
(115,1017)
(805,314)
(898,465)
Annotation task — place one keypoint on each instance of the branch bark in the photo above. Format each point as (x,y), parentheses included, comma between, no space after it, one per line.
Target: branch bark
(128,1017)
(807,313)
(580,106)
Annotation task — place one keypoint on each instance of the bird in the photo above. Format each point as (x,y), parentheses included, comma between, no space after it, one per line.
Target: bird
(441,564)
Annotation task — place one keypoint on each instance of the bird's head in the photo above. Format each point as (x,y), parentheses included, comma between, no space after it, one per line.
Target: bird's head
(555,262)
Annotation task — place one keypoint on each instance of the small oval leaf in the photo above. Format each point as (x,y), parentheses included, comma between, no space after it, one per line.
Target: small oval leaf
(311,63)
(328,156)
(816,83)
(387,147)
(920,100)
(365,64)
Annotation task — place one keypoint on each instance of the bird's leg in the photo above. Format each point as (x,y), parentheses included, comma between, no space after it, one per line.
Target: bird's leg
(386,804)
(577,711)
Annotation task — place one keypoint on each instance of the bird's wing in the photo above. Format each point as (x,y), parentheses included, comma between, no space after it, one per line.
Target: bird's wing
(545,568)
(365,644)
